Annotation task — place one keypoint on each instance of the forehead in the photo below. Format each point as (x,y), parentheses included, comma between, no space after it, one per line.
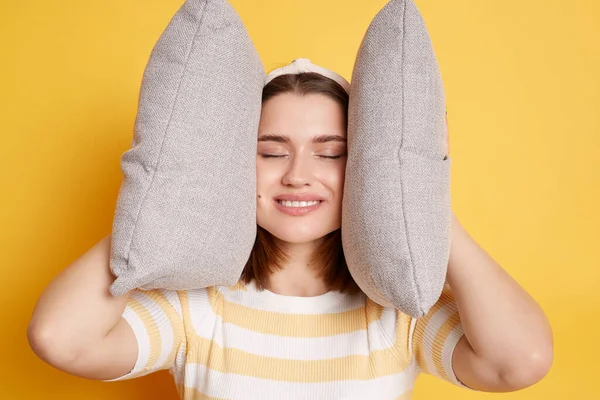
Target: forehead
(305,117)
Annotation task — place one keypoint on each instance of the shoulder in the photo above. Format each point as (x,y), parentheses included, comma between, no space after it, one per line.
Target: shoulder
(186,303)
(394,325)
(389,331)
(389,318)
(197,303)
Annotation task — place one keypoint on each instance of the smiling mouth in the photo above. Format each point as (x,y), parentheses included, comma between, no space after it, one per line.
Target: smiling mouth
(298,204)
(297,208)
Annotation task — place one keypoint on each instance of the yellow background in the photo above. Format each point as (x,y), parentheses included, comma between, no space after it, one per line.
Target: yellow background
(523,90)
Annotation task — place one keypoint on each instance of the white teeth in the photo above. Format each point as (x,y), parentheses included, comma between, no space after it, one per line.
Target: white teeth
(298,203)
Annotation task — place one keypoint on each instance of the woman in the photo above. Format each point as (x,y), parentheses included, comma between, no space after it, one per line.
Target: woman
(296,326)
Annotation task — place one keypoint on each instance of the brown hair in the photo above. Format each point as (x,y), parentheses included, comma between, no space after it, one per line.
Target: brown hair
(266,256)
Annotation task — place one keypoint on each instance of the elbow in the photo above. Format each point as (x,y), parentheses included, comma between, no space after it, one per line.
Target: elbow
(531,366)
(48,345)
(527,372)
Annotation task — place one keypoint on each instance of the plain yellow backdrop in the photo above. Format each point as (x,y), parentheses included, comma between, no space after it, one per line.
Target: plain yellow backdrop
(522,83)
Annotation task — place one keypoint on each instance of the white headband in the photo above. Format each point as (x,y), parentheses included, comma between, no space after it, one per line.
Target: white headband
(304,65)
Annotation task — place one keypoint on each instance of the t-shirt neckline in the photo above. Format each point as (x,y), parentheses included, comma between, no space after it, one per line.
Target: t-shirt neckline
(331,298)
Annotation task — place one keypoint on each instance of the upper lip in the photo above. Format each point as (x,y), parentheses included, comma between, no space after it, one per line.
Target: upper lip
(299,197)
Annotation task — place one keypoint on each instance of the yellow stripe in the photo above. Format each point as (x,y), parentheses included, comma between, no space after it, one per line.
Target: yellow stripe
(227,360)
(438,343)
(373,310)
(402,335)
(151,328)
(174,321)
(353,367)
(292,325)
(421,325)
(239,286)
(185,309)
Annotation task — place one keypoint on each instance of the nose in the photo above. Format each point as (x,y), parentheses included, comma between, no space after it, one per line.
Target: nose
(298,171)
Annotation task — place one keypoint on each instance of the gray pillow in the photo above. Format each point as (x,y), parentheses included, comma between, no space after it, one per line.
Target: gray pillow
(396,204)
(192,161)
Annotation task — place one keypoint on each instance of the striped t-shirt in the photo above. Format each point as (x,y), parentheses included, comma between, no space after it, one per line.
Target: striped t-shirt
(237,342)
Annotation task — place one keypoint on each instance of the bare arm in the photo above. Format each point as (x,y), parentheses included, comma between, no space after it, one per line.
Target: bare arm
(76,324)
(508,342)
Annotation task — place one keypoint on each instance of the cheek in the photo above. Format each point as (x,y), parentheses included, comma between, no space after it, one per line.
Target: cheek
(340,182)
(333,179)
(340,175)
(265,178)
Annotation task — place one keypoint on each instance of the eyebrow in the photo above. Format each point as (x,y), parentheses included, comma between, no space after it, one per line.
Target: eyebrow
(317,139)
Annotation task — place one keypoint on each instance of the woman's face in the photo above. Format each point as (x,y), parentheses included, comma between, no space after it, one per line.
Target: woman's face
(288,126)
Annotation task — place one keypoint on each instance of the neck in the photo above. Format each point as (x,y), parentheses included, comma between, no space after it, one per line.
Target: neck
(298,277)
(297,280)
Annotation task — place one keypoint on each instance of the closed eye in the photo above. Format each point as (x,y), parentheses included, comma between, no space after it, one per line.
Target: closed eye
(277,156)
(270,156)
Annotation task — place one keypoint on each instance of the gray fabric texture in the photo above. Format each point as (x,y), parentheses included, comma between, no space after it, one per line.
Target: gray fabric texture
(396,205)
(186,210)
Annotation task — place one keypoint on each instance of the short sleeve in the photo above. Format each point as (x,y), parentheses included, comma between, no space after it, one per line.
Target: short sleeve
(156,319)
(435,336)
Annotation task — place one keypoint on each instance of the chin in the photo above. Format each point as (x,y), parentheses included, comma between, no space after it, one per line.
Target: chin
(297,236)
